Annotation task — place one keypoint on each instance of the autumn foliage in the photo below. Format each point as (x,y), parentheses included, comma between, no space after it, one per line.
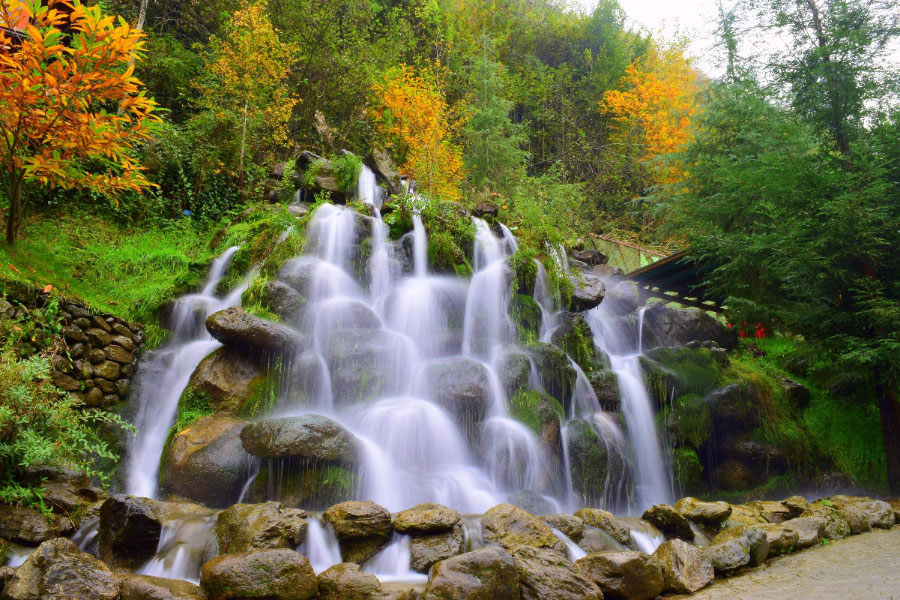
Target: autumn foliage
(412,115)
(71,111)
(655,105)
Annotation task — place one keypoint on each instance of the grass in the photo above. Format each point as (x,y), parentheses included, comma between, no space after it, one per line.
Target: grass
(127,272)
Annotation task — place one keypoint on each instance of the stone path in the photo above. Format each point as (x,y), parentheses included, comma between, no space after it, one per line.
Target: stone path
(860,567)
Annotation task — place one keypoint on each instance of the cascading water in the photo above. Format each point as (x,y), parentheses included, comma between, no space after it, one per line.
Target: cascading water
(163,377)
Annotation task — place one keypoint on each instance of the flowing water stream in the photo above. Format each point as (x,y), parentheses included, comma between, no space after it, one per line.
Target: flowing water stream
(387,338)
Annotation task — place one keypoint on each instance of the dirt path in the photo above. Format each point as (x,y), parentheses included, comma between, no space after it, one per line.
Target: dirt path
(861,567)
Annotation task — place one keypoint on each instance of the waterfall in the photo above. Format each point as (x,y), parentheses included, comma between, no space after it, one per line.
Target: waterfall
(162,379)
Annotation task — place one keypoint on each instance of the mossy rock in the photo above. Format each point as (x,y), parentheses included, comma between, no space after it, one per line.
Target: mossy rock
(525,270)
(556,373)
(312,485)
(689,421)
(527,316)
(589,462)
(688,471)
(445,254)
(575,338)
(679,371)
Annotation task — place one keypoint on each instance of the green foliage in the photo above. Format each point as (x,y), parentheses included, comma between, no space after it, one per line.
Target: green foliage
(688,470)
(265,391)
(689,420)
(534,410)
(346,168)
(40,425)
(193,405)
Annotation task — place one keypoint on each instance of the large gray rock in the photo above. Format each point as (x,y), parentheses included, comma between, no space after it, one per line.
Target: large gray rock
(311,437)
(227,378)
(426,518)
(345,581)
(864,513)
(734,406)
(555,371)
(589,461)
(362,529)
(629,575)
(365,364)
(685,568)
(207,462)
(588,293)
(130,527)
(144,587)
(669,521)
(836,525)
(257,337)
(245,527)
(510,526)
(426,550)
(486,574)
(514,369)
(782,538)
(278,573)
(738,546)
(595,517)
(548,575)
(672,327)
(282,299)
(380,162)
(808,529)
(58,570)
(462,386)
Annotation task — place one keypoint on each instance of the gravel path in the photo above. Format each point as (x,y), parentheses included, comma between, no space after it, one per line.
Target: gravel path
(860,567)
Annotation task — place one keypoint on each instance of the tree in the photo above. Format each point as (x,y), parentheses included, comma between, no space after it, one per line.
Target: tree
(800,241)
(59,94)
(246,85)
(412,115)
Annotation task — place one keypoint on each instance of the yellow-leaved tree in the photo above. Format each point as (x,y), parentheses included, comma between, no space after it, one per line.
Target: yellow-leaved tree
(71,111)
(245,87)
(412,115)
(654,107)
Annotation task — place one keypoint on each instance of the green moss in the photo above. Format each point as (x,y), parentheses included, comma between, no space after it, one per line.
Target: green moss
(680,370)
(264,392)
(577,340)
(689,421)
(524,269)
(535,410)
(312,171)
(688,470)
(526,314)
(444,253)
(193,405)
(302,483)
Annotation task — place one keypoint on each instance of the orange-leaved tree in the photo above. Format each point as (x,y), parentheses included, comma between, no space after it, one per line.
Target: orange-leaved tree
(411,113)
(71,111)
(655,106)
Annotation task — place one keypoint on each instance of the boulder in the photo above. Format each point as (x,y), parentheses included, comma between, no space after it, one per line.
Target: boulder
(731,474)
(295,482)
(486,210)
(573,335)
(597,540)
(362,529)
(590,257)
(282,299)
(24,525)
(685,567)
(485,574)
(277,573)
(58,570)
(207,462)
(532,502)
(671,327)
(782,538)
(797,394)
(510,526)
(144,587)
(426,550)
(514,370)
(252,335)
(601,519)
(64,490)
(629,575)
(462,386)
(622,298)
(808,529)
(365,364)
(130,527)
(426,518)
(743,514)
(570,525)
(380,162)
(835,526)
(773,512)
(749,539)
(310,437)
(605,384)
(245,527)
(765,460)
(548,575)
(864,513)
(555,371)
(669,521)
(227,378)
(589,461)
(588,293)
(345,581)
(734,406)
(795,505)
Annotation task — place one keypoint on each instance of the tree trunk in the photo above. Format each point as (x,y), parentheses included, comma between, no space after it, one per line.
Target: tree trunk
(14,215)
(889,406)
(243,150)
(837,119)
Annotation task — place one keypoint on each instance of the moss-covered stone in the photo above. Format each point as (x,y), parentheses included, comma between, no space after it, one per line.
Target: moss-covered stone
(445,255)
(526,314)
(555,371)
(303,483)
(689,421)
(688,470)
(588,462)
(678,371)
(574,337)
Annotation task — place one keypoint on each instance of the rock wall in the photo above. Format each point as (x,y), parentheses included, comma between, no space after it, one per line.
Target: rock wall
(101,349)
